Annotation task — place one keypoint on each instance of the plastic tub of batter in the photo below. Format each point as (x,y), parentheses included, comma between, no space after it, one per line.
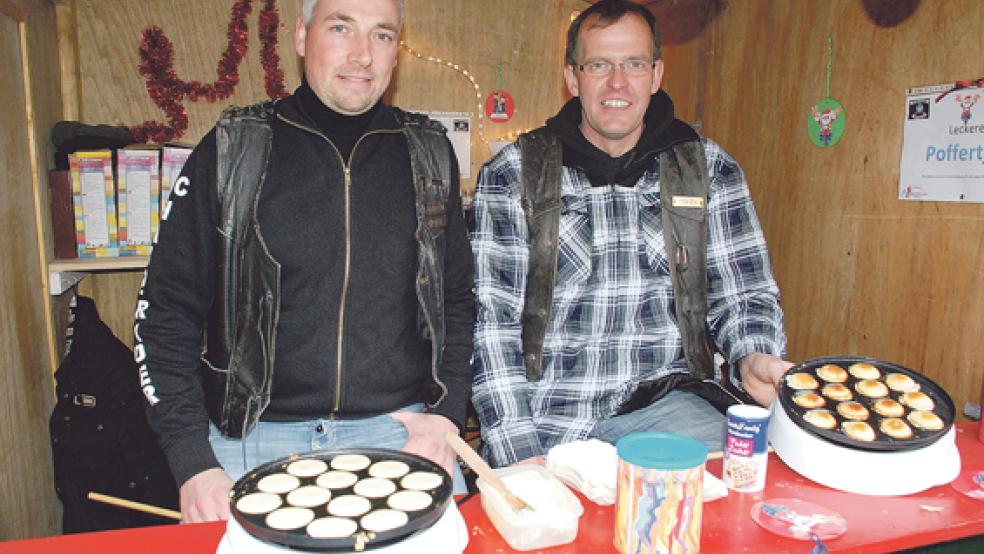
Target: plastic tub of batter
(554,510)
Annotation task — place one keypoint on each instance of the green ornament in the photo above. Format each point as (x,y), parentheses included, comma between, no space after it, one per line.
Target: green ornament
(825,122)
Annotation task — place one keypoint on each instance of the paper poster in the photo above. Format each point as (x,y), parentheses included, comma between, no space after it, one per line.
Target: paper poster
(943,144)
(138,182)
(458,125)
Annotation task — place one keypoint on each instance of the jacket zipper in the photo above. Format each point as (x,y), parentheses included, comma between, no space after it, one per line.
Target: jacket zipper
(347,171)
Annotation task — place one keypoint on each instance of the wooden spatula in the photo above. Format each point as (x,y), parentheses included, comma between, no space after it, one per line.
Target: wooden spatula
(483,470)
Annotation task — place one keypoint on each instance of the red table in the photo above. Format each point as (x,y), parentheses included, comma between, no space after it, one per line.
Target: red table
(875,524)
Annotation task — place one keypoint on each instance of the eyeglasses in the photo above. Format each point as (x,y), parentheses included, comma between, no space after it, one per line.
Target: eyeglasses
(600,68)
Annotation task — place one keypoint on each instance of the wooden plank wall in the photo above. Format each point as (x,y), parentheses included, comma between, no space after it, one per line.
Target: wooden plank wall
(28,506)
(527,38)
(860,271)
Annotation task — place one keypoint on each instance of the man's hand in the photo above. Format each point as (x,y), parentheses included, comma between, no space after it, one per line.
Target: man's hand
(426,437)
(205,497)
(760,375)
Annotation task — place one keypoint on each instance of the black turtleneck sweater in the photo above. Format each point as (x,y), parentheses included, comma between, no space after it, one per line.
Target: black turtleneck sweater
(343,130)
(661,131)
(364,312)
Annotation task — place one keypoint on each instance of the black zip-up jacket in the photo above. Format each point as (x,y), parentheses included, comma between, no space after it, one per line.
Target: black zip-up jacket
(350,337)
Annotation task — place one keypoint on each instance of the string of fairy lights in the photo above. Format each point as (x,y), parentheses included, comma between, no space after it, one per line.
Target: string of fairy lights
(480,111)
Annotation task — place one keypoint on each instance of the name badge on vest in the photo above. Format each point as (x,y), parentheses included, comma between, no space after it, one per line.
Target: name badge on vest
(688,201)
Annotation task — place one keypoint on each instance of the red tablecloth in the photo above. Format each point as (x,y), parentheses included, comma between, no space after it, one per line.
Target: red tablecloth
(875,524)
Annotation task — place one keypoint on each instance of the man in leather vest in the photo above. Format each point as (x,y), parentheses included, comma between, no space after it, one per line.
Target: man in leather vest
(311,285)
(580,326)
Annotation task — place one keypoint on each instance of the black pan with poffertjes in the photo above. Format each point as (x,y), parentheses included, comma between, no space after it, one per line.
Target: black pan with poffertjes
(942,406)
(419,520)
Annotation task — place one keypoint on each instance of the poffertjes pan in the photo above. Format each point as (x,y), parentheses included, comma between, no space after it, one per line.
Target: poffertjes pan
(872,405)
(341,500)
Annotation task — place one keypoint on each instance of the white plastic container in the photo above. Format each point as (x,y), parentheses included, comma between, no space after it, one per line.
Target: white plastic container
(862,471)
(554,515)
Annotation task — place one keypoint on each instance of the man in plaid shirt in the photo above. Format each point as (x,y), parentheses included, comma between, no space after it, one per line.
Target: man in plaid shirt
(612,356)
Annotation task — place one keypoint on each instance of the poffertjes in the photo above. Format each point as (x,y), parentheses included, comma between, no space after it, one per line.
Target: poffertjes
(901,382)
(332,527)
(801,381)
(832,373)
(383,520)
(871,388)
(895,428)
(863,370)
(820,418)
(307,467)
(858,430)
(837,391)
(289,518)
(888,408)
(925,420)
(809,400)
(917,400)
(852,410)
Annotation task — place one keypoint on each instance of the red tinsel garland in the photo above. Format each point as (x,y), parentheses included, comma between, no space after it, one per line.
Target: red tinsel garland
(168,91)
(273,76)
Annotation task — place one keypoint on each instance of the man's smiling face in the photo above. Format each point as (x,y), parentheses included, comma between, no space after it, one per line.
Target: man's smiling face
(613,106)
(349,51)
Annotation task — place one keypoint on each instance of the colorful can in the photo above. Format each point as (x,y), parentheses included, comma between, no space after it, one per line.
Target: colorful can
(659,499)
(746,450)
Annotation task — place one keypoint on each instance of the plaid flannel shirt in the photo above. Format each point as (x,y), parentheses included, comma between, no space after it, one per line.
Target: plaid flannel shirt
(612,324)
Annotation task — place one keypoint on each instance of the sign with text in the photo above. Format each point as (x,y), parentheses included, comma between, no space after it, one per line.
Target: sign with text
(943,144)
(458,125)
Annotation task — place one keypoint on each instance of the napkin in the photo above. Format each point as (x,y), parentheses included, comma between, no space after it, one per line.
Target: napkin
(591,467)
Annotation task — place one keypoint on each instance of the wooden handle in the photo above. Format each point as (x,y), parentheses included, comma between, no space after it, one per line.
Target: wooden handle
(138,506)
(483,470)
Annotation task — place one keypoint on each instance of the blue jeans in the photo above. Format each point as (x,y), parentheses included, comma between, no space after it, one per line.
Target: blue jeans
(678,412)
(270,440)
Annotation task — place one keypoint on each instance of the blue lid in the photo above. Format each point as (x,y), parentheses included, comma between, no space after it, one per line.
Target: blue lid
(666,451)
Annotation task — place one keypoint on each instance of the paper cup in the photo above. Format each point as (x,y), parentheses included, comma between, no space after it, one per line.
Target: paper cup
(746,449)
(659,499)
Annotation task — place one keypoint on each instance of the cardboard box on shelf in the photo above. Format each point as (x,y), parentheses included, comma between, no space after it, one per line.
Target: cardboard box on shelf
(93,197)
(138,186)
(62,215)
(172,161)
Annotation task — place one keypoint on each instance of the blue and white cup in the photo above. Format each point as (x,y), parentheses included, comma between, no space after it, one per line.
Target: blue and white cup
(746,449)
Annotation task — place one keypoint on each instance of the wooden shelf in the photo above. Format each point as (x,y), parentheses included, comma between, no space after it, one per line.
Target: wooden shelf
(120,263)
(64,274)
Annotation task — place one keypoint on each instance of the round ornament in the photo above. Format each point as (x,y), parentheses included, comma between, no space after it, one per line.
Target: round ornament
(499,106)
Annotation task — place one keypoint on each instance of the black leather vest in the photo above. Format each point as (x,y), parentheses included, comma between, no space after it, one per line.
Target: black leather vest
(240,346)
(683,185)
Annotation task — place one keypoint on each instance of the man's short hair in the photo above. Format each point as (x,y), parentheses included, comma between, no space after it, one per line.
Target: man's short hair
(307,11)
(605,13)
